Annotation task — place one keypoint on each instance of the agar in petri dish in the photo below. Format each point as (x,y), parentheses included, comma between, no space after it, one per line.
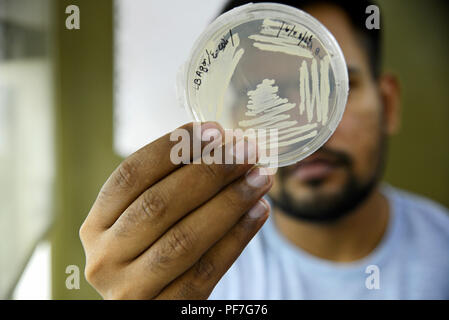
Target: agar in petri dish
(268,66)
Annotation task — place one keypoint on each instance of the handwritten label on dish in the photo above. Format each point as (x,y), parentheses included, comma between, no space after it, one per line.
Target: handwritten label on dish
(208,58)
(280,36)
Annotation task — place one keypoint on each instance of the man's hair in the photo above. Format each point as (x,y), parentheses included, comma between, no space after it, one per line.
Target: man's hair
(356,12)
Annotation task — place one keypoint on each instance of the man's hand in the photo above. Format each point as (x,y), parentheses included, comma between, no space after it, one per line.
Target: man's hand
(163,231)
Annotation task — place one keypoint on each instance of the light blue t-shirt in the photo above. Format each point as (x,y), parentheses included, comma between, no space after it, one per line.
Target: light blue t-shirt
(411,262)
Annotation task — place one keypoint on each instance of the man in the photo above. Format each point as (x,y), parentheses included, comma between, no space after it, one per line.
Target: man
(163,231)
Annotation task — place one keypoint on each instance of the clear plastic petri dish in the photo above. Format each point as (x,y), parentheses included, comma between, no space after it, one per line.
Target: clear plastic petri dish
(273,69)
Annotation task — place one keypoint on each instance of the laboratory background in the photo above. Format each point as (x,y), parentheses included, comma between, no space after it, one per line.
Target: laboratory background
(74,102)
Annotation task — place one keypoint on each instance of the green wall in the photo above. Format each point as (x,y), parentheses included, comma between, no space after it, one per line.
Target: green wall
(416,47)
(84,155)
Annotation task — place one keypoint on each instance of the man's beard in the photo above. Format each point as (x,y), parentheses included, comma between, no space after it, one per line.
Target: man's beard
(329,208)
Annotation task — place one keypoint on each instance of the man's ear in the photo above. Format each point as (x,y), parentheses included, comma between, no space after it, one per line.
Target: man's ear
(390,92)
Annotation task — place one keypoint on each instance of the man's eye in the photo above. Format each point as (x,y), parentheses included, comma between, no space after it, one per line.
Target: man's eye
(352,84)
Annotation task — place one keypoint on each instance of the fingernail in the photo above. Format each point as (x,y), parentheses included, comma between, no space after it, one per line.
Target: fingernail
(241,154)
(258,210)
(211,133)
(256,178)
(209,127)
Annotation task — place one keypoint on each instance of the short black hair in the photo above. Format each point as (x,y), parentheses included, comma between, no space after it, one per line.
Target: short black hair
(356,12)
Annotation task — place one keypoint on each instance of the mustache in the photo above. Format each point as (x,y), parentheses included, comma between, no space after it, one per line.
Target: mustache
(333,156)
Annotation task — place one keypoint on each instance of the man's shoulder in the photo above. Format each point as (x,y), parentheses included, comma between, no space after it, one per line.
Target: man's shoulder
(420,213)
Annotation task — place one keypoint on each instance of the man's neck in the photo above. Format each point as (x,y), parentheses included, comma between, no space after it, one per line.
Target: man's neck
(351,238)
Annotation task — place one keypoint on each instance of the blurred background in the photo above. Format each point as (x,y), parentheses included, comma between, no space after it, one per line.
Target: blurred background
(73,103)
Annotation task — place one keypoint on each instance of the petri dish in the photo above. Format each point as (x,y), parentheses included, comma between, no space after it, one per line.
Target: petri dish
(269,68)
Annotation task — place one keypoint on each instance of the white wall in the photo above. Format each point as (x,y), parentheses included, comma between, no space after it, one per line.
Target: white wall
(153,39)
(35,282)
